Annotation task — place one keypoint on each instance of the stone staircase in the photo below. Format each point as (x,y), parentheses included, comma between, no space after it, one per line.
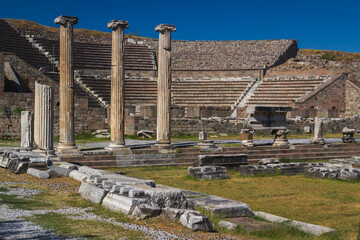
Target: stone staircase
(186,156)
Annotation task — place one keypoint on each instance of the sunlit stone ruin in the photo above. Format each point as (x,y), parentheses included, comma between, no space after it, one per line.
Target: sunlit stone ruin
(62,83)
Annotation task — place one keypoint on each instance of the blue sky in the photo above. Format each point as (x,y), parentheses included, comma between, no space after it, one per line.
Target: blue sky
(332,25)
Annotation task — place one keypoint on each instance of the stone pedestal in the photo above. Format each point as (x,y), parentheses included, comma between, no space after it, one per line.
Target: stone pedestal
(280,137)
(164,86)
(348,135)
(27,130)
(66,88)
(246,135)
(203,142)
(44,119)
(117,122)
(318,132)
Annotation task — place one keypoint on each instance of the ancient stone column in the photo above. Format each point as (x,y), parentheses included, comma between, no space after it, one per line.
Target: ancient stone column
(318,132)
(66,89)
(164,85)
(27,130)
(281,137)
(117,121)
(44,118)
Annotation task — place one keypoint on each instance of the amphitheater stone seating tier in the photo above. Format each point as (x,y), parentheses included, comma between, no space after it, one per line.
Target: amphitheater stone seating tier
(12,41)
(209,93)
(282,91)
(98,56)
(219,55)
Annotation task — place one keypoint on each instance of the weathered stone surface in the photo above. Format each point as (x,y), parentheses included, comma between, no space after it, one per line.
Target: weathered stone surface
(92,193)
(144,211)
(350,174)
(228,225)
(27,130)
(196,221)
(165,196)
(225,160)
(77,175)
(37,173)
(208,172)
(267,117)
(61,171)
(91,171)
(17,165)
(280,137)
(218,205)
(348,135)
(267,161)
(145,133)
(52,173)
(121,203)
(124,180)
(174,213)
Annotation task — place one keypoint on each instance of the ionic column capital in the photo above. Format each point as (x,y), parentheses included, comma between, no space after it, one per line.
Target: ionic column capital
(66,20)
(115,24)
(165,28)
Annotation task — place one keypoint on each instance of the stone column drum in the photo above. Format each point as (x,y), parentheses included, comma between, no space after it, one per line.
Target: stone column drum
(66,89)
(281,137)
(164,86)
(44,117)
(27,130)
(117,121)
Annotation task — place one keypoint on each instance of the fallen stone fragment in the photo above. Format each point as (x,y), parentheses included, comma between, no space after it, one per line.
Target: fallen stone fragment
(196,221)
(174,213)
(78,176)
(119,203)
(144,211)
(313,229)
(61,171)
(37,173)
(52,173)
(69,166)
(350,174)
(228,225)
(225,207)
(18,166)
(92,193)
(90,171)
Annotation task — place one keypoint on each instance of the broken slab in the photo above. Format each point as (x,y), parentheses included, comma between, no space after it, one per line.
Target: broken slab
(228,225)
(61,171)
(144,211)
(225,207)
(224,160)
(208,172)
(119,203)
(267,161)
(38,173)
(17,165)
(92,193)
(313,229)
(124,180)
(174,213)
(196,221)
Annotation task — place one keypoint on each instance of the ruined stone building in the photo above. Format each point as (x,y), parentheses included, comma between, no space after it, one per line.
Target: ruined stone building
(209,78)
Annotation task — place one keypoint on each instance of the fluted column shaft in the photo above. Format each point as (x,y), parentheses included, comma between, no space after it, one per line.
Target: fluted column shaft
(66,90)
(164,86)
(44,118)
(117,117)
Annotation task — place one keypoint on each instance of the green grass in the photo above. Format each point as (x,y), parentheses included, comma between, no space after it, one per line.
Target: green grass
(83,228)
(2,189)
(331,203)
(25,204)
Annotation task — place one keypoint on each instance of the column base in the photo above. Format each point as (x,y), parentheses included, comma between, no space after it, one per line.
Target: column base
(119,149)
(281,142)
(206,144)
(164,147)
(68,149)
(247,143)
